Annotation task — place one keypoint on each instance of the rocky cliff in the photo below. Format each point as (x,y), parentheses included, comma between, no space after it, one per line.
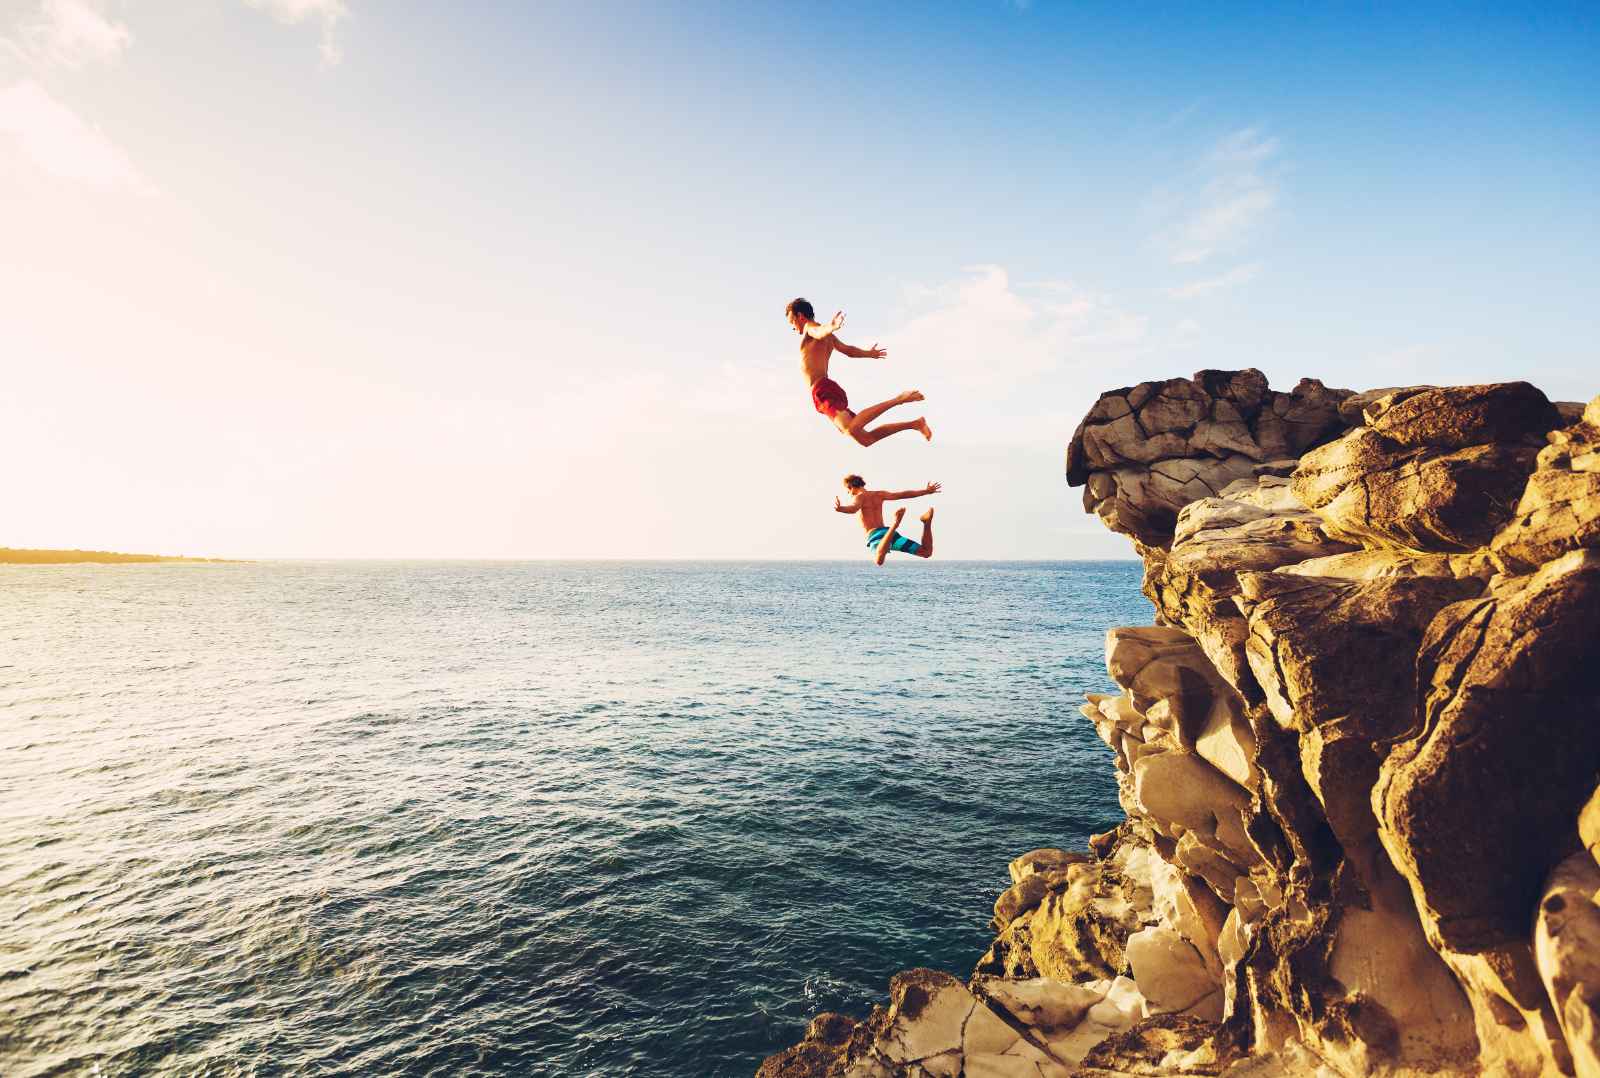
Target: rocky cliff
(1358,752)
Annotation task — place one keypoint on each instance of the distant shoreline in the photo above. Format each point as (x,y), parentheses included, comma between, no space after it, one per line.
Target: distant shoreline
(14,556)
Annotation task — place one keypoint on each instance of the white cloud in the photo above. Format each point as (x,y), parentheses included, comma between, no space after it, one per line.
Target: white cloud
(68,33)
(1235,190)
(1237,276)
(62,144)
(328,12)
(999,358)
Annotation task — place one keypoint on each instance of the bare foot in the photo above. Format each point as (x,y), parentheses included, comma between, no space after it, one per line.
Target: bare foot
(927,431)
(889,536)
(927,518)
(911,395)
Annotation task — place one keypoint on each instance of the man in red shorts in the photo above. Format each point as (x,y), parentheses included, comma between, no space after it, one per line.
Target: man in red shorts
(817,345)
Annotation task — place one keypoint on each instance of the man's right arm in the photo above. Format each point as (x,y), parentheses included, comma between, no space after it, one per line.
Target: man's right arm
(818,331)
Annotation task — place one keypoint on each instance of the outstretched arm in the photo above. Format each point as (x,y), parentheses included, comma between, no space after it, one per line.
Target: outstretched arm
(840,507)
(820,330)
(931,488)
(860,353)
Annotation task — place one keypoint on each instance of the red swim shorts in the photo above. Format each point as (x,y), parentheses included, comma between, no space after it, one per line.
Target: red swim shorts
(829,397)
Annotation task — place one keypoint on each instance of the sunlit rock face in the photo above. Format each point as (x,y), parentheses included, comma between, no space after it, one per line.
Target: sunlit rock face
(1358,754)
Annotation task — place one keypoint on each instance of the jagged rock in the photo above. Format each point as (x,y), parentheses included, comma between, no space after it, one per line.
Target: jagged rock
(1560,508)
(1379,955)
(1478,806)
(1353,408)
(1043,860)
(1163,1044)
(1081,923)
(1383,564)
(1433,470)
(1368,489)
(1181,794)
(1191,908)
(1455,417)
(1193,584)
(822,1053)
(1171,684)
(1567,950)
(1144,452)
(1336,661)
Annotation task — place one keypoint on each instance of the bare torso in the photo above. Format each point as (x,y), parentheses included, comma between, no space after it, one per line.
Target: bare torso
(871,503)
(814,355)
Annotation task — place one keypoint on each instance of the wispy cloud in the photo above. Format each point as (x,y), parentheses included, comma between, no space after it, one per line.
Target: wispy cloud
(1234,189)
(1237,276)
(61,144)
(984,328)
(327,12)
(67,33)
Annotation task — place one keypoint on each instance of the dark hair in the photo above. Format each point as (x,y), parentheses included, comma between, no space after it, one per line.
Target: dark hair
(802,306)
(854,481)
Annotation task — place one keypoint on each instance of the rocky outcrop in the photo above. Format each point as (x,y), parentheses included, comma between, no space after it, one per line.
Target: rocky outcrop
(1143,453)
(1358,754)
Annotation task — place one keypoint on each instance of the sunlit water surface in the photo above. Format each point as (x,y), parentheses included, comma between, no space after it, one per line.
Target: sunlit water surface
(543,819)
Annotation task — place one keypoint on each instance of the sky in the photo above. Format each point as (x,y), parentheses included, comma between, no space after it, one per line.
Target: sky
(351,279)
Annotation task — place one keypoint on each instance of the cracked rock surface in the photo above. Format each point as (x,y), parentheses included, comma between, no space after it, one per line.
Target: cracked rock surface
(1358,754)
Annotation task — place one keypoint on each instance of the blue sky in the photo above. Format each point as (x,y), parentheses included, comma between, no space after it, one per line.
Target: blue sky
(337,278)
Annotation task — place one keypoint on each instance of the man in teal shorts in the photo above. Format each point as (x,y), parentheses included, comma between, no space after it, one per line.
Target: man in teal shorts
(883,538)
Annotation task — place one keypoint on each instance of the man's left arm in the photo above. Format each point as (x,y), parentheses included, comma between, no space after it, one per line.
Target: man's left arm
(860,353)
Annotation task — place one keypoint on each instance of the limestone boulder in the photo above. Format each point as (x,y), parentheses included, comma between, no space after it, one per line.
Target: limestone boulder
(1480,804)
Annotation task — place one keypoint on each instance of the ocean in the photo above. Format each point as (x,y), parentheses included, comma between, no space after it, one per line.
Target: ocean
(519,818)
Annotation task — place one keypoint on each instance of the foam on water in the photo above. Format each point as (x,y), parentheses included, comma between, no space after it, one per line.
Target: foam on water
(559,819)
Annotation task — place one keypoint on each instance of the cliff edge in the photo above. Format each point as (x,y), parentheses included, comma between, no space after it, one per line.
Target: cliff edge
(1358,752)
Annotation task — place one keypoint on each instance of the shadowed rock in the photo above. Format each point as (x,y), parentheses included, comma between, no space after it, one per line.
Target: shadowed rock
(1485,799)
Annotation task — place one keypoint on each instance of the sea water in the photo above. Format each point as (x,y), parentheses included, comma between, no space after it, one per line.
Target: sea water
(519,818)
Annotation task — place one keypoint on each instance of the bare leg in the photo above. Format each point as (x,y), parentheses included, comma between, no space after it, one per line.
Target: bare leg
(879,433)
(888,536)
(867,415)
(855,424)
(927,535)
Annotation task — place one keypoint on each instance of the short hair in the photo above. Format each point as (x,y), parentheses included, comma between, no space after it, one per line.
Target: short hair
(801,306)
(854,481)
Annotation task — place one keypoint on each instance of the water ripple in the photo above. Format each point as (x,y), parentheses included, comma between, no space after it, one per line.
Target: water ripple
(550,819)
